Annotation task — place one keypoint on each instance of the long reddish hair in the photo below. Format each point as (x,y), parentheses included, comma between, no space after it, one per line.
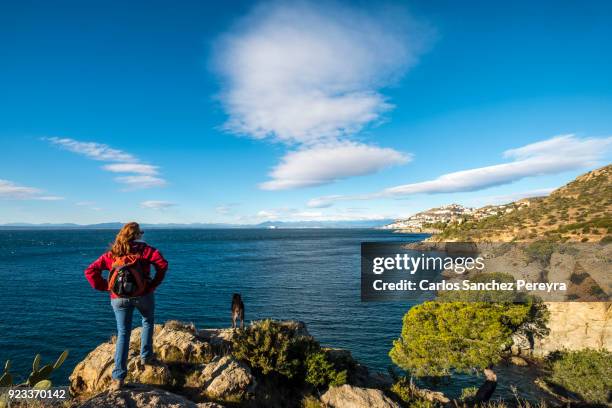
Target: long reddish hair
(128,234)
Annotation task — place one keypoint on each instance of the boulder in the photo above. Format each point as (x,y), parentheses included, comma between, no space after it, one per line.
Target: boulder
(142,396)
(93,374)
(360,375)
(173,343)
(518,361)
(220,340)
(177,342)
(223,378)
(348,396)
(521,344)
(432,396)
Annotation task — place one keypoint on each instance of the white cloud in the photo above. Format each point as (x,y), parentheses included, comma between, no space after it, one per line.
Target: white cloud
(12,191)
(49,198)
(157,205)
(140,182)
(327,201)
(555,155)
(137,168)
(325,163)
(138,175)
(310,74)
(92,150)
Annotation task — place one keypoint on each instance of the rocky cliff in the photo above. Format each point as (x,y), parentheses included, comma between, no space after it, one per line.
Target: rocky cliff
(576,326)
(195,368)
(580,211)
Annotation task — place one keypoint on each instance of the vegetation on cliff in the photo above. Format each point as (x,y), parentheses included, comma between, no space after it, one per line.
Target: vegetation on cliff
(578,211)
(272,348)
(464,331)
(439,338)
(587,373)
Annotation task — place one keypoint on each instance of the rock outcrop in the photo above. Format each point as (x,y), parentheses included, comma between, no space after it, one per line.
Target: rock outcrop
(186,364)
(195,368)
(142,396)
(574,326)
(356,397)
(224,377)
(173,344)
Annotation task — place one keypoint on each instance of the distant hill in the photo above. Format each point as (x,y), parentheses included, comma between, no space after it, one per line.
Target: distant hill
(267,224)
(579,211)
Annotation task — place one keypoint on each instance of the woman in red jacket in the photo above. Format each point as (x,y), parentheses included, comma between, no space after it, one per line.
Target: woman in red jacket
(128,243)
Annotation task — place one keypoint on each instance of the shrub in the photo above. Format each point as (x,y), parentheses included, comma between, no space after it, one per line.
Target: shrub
(311,401)
(606,240)
(438,338)
(540,251)
(469,392)
(588,373)
(408,393)
(321,373)
(272,347)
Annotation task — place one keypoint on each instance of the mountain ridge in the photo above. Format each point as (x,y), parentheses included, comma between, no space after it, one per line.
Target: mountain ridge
(262,225)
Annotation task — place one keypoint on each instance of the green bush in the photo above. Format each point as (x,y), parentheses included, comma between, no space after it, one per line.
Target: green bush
(606,240)
(272,347)
(540,251)
(321,373)
(469,392)
(408,393)
(438,337)
(587,373)
(311,401)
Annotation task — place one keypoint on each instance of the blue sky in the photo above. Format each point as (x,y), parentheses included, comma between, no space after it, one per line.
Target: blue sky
(245,112)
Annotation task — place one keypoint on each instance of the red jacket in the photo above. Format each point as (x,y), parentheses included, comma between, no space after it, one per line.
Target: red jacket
(150,256)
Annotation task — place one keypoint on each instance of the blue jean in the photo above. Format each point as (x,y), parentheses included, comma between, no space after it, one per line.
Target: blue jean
(124,310)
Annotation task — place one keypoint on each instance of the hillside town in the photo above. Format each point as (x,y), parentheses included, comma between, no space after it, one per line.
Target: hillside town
(433,220)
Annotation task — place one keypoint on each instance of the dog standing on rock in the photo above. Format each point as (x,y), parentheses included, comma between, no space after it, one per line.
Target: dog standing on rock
(237,310)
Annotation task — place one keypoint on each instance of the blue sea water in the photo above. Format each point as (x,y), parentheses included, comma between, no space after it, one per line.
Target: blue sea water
(313,275)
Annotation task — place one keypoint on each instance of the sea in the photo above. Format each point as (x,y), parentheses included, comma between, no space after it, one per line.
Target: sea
(312,275)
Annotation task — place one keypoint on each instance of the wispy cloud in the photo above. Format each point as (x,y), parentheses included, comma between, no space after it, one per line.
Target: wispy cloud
(95,151)
(310,75)
(551,156)
(157,205)
(12,191)
(138,182)
(137,168)
(325,163)
(138,175)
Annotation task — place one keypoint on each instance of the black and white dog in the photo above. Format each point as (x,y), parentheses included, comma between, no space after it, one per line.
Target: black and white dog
(237,310)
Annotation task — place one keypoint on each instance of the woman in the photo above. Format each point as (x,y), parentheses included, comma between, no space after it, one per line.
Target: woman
(128,243)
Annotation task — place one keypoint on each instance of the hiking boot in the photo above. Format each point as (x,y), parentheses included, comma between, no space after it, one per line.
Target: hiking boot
(148,361)
(116,385)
